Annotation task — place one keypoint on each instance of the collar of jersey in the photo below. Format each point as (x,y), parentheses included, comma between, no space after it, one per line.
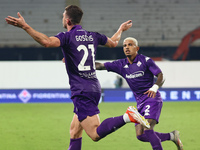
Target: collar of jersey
(77,27)
(134,61)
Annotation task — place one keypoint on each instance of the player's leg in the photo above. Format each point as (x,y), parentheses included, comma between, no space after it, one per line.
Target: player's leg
(142,137)
(110,125)
(86,108)
(151,135)
(75,128)
(148,135)
(175,137)
(76,131)
(90,125)
(97,131)
(151,110)
(172,136)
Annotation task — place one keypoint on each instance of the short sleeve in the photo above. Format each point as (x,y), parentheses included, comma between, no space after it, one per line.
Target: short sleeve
(152,66)
(102,39)
(63,37)
(114,66)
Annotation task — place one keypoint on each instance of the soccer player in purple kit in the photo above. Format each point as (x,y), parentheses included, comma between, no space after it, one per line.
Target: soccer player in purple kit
(139,71)
(79,48)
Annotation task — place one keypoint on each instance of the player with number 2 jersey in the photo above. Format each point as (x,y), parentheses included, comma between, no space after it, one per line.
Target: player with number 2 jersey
(139,71)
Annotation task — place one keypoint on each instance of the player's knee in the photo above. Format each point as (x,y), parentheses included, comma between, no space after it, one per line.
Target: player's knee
(74,134)
(141,138)
(95,139)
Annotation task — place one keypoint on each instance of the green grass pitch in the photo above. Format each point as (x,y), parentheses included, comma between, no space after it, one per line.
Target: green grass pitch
(46,127)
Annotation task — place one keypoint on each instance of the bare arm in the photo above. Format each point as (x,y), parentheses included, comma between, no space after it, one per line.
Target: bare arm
(100,66)
(153,90)
(114,40)
(37,36)
(160,79)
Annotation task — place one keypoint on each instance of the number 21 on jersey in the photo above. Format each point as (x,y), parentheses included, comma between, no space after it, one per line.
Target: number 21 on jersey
(81,66)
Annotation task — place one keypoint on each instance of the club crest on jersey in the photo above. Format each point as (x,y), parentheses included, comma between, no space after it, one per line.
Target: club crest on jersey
(139,63)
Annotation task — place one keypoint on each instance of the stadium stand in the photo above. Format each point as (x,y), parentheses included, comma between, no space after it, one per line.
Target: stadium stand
(43,15)
(159,25)
(155,22)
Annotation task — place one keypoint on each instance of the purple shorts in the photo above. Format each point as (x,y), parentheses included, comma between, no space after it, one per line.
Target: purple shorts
(149,107)
(151,110)
(86,104)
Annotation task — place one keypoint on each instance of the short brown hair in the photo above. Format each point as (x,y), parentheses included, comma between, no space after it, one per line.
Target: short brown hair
(74,13)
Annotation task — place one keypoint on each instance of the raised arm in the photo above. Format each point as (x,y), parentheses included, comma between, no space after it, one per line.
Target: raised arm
(100,66)
(37,36)
(114,40)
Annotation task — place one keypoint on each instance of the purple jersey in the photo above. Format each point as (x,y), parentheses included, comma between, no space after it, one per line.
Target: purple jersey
(79,48)
(139,75)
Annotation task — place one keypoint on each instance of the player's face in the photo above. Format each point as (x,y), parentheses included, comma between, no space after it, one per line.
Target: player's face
(130,49)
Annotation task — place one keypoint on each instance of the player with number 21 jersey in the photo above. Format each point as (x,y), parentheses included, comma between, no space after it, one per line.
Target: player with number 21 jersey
(79,48)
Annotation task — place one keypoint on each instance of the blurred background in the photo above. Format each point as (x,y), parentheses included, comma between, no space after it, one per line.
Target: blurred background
(159,25)
(168,31)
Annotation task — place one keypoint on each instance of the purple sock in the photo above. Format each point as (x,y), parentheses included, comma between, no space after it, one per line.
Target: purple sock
(75,144)
(110,125)
(143,138)
(162,136)
(153,139)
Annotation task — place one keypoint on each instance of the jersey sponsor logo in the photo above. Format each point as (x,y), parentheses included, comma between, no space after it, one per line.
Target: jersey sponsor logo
(135,75)
(84,38)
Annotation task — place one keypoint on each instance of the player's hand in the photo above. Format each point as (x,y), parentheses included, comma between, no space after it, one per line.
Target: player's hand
(126,25)
(18,22)
(150,93)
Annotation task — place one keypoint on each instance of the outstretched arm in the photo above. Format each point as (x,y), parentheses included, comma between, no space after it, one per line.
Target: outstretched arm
(37,36)
(159,82)
(114,40)
(100,66)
